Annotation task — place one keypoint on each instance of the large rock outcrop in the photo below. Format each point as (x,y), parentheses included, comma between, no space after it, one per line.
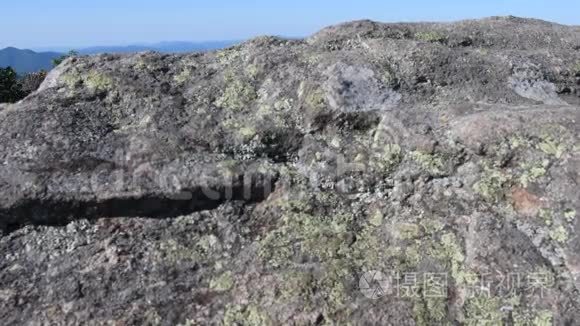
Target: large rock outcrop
(404,174)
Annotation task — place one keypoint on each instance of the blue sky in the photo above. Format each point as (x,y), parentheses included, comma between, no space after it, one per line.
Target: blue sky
(56,23)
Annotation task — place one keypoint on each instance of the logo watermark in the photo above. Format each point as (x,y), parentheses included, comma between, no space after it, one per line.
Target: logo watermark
(377,284)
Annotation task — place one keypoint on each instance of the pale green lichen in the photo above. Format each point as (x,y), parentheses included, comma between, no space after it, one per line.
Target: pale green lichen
(518,141)
(429,311)
(431,226)
(173,251)
(552,147)
(183,76)
(283,104)
(152,317)
(570,215)
(377,219)
(559,234)
(483,310)
(323,238)
(527,318)
(327,240)
(412,256)
(386,158)
(546,216)
(388,77)
(532,172)
(227,56)
(315,99)
(244,129)
(449,251)
(577,68)
(247,316)
(366,251)
(247,132)
(430,36)
(96,81)
(252,71)
(71,80)
(237,95)
(490,185)
(208,243)
(543,318)
(407,231)
(431,163)
(188,322)
(223,282)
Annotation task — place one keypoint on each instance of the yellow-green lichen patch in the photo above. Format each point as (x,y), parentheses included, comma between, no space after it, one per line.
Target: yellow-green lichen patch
(518,141)
(71,80)
(535,318)
(546,216)
(315,289)
(247,316)
(366,251)
(449,251)
(491,183)
(431,163)
(407,231)
(207,243)
(388,77)
(570,215)
(386,158)
(173,252)
(183,76)
(312,236)
(315,99)
(97,81)
(377,219)
(188,322)
(247,132)
(532,172)
(283,104)
(297,285)
(483,310)
(552,147)
(252,71)
(559,234)
(244,130)
(223,282)
(140,65)
(228,56)
(429,310)
(237,95)
(430,36)
(576,68)
(431,226)
(412,255)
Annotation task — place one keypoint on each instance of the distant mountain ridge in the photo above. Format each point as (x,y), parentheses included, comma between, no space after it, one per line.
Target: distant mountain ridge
(164,47)
(26,61)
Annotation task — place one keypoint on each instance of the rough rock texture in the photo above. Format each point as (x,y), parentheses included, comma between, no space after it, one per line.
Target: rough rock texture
(268,182)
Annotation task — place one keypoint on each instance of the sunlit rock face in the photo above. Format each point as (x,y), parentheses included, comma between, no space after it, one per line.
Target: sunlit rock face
(404,174)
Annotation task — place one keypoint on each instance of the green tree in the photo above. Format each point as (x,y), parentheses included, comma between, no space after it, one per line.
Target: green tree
(63,57)
(10,88)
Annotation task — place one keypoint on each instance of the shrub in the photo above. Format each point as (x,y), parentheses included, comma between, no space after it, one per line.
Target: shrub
(30,82)
(59,60)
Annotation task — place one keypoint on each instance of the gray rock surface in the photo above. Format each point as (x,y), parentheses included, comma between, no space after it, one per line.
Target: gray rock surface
(403,174)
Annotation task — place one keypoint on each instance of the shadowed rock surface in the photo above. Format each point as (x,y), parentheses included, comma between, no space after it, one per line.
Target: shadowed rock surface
(268,182)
